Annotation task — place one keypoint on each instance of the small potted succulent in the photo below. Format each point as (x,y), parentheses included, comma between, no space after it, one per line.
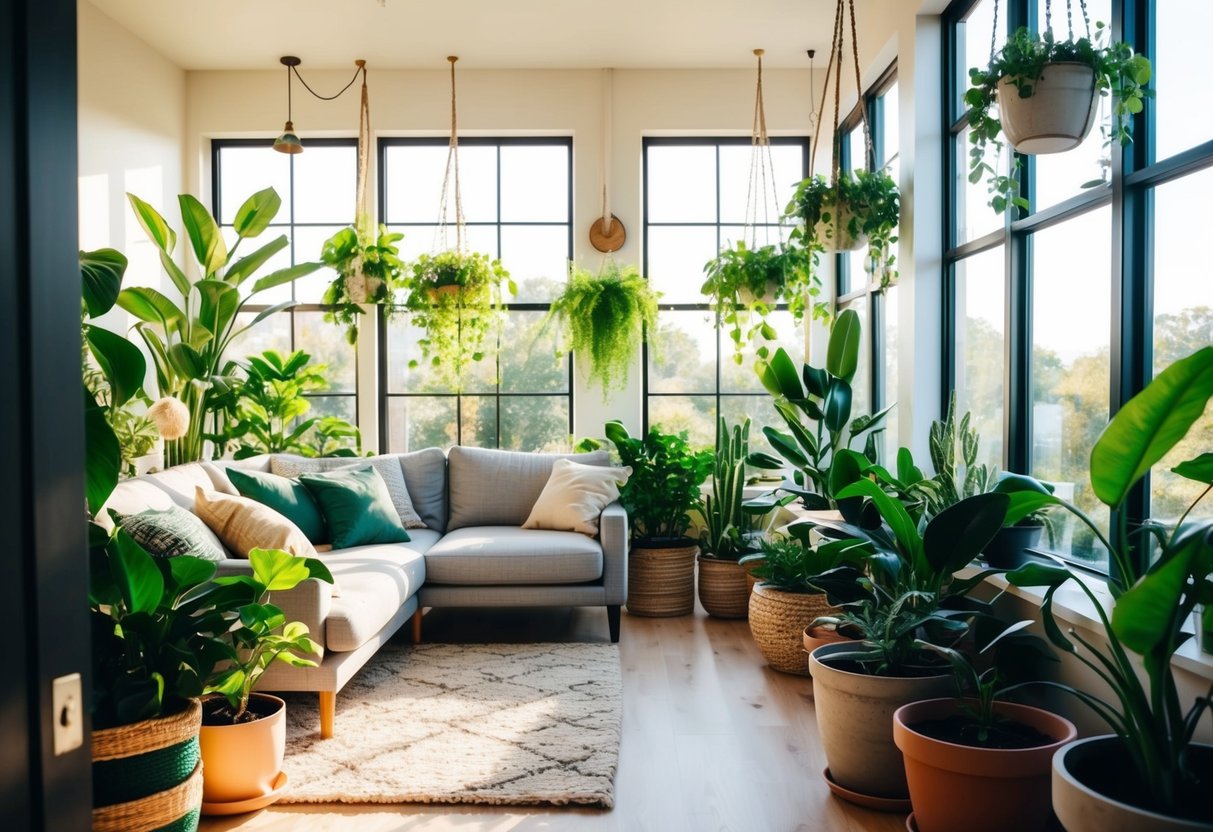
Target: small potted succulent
(1047,93)
(369,270)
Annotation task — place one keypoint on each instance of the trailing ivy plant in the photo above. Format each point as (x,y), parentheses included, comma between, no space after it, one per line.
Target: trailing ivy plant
(373,260)
(604,318)
(455,298)
(1119,72)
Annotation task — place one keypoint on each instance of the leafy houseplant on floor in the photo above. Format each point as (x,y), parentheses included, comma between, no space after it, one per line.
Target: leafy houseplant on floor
(187,342)
(1150,773)
(663,488)
(603,320)
(1047,92)
(244,733)
(369,270)
(456,299)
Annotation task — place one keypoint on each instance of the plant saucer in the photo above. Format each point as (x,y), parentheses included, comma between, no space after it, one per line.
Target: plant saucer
(868,801)
(252,804)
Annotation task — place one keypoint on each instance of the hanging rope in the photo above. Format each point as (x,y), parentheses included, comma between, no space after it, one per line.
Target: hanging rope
(608,109)
(452,167)
(760,188)
(362,214)
(834,68)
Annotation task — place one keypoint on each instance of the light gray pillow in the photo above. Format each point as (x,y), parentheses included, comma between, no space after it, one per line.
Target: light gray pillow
(287,465)
(499,488)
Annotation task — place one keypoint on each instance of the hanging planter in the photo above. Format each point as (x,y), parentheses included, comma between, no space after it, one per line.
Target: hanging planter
(1047,92)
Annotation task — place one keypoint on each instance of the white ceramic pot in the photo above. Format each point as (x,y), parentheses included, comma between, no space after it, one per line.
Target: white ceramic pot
(1057,116)
(148,463)
(855,721)
(834,235)
(1081,808)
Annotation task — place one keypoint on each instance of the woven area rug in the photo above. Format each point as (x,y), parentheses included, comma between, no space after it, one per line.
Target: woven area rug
(458,723)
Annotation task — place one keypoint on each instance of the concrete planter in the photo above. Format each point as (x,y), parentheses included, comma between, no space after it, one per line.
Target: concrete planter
(1057,116)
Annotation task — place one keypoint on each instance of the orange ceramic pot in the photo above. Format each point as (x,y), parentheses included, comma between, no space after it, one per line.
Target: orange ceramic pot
(240,762)
(959,788)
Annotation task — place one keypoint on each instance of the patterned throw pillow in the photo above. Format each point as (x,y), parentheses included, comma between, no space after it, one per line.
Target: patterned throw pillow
(287,465)
(171,533)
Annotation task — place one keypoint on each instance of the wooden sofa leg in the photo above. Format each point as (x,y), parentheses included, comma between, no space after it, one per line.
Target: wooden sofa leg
(417,626)
(328,711)
(613,621)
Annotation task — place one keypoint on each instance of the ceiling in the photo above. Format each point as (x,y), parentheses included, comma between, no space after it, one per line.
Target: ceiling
(486,34)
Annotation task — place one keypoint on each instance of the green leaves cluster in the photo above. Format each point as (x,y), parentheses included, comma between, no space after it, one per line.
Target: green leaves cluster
(791,564)
(372,258)
(1119,72)
(604,318)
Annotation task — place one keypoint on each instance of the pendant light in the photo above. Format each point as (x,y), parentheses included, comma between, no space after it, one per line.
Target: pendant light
(289,142)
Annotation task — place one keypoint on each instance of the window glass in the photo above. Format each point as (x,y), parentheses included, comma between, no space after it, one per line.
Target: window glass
(1179,80)
(973,42)
(980,346)
(1071,367)
(891,373)
(861,385)
(974,217)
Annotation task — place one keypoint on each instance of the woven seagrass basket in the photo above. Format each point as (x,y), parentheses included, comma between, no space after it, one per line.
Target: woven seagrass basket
(148,776)
(777,622)
(661,581)
(724,590)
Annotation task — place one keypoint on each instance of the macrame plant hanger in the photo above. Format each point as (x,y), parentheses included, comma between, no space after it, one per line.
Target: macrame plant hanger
(834,68)
(761,193)
(357,284)
(450,181)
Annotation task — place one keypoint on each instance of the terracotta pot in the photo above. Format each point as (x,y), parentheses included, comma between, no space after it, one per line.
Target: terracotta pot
(815,637)
(833,235)
(1081,805)
(661,578)
(240,762)
(723,589)
(1057,116)
(1009,548)
(777,622)
(957,788)
(855,720)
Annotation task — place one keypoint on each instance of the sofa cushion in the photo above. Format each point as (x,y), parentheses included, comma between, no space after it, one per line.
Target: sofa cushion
(131,497)
(499,488)
(508,555)
(357,507)
(425,473)
(243,525)
(217,470)
(375,581)
(290,498)
(172,532)
(182,481)
(574,497)
(287,465)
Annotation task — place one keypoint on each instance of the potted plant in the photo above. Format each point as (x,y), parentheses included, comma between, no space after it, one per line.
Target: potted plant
(746,284)
(456,299)
(1150,772)
(815,404)
(663,488)
(187,342)
(243,736)
(369,269)
(859,207)
(1047,92)
(979,761)
(603,319)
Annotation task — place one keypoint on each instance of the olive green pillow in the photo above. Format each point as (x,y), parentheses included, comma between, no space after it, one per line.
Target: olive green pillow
(357,507)
(286,496)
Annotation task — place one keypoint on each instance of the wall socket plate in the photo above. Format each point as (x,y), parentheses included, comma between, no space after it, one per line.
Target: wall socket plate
(67,709)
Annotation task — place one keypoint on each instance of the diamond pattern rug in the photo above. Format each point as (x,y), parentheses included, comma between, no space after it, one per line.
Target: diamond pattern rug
(460,723)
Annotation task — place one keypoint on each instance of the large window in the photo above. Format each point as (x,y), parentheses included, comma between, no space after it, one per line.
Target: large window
(696,205)
(517,202)
(1061,313)
(317,191)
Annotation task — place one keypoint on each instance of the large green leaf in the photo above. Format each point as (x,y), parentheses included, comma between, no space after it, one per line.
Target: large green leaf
(101,274)
(285,276)
(1199,469)
(779,376)
(120,361)
(960,532)
(257,212)
(102,456)
(220,303)
(149,305)
(204,234)
(898,519)
(838,405)
(153,224)
(1143,616)
(786,447)
(247,265)
(138,578)
(1150,424)
(277,570)
(180,281)
(1024,503)
(842,357)
(188,362)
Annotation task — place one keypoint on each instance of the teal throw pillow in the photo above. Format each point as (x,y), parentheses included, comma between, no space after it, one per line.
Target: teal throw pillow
(357,507)
(171,533)
(285,496)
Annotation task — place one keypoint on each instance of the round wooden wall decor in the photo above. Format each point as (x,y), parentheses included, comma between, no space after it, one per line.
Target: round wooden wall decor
(604,242)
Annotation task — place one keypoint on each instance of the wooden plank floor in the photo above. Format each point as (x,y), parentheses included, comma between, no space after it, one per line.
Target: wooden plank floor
(713,741)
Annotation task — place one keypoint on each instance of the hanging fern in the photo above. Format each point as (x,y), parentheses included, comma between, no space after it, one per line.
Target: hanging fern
(604,318)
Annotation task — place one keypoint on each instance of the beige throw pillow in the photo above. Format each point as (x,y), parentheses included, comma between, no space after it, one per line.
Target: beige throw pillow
(574,497)
(243,525)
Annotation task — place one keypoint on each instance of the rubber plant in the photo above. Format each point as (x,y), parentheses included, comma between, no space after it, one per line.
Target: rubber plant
(1159,576)
(604,318)
(369,270)
(456,299)
(1119,73)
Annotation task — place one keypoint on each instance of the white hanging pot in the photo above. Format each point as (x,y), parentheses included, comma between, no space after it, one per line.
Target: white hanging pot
(359,287)
(1058,114)
(832,230)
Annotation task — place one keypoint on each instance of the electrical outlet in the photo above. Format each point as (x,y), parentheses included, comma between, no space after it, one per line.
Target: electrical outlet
(67,708)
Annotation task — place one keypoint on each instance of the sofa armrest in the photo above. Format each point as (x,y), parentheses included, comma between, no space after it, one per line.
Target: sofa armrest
(613,534)
(309,602)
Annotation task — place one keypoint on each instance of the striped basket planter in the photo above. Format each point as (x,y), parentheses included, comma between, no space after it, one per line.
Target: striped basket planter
(777,622)
(147,777)
(661,580)
(724,588)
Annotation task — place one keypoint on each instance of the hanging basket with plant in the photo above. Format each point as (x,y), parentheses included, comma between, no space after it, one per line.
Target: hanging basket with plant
(603,319)
(1042,94)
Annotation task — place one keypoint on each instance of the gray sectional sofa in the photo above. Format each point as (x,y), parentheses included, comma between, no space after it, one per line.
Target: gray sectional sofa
(472,552)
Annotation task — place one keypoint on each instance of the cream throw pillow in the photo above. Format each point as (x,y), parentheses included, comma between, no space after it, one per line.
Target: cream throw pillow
(574,497)
(243,525)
